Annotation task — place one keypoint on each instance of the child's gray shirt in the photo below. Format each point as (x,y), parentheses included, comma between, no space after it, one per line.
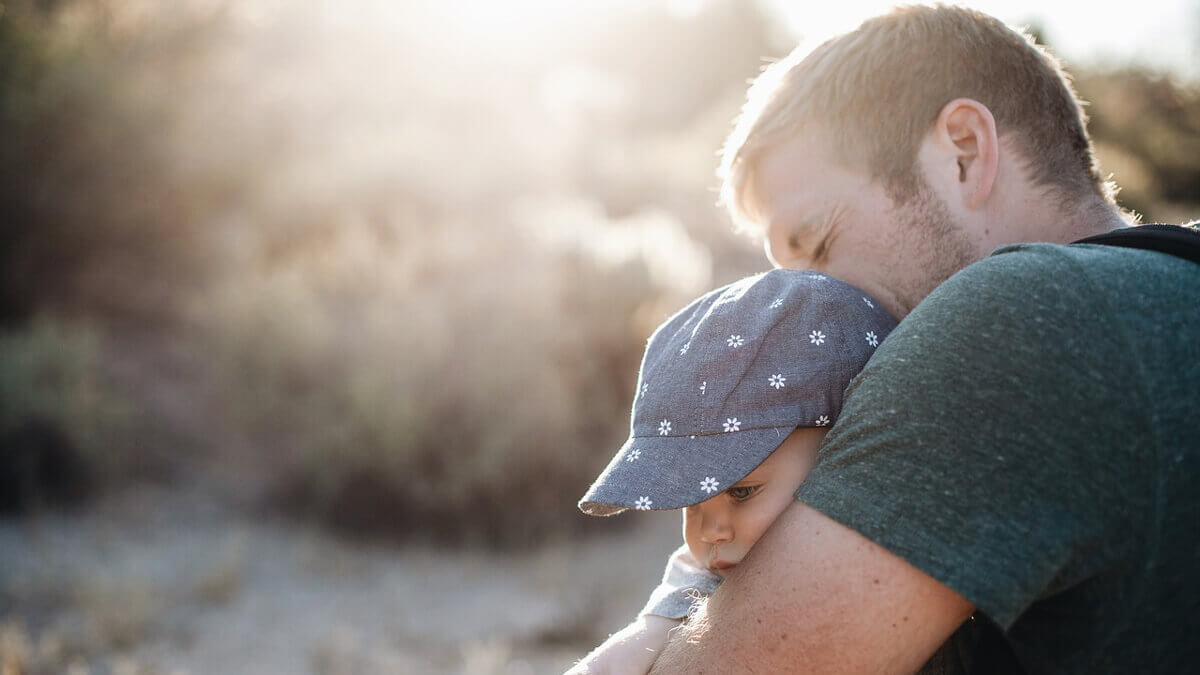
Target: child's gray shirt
(684,581)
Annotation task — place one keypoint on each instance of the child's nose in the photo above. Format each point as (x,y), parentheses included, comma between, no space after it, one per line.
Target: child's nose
(717,527)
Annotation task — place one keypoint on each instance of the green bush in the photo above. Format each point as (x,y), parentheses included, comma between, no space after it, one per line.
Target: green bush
(64,429)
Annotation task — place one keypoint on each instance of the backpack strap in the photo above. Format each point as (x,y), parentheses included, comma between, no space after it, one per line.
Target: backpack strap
(1179,241)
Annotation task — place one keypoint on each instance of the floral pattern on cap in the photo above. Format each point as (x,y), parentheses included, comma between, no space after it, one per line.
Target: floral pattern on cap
(764,355)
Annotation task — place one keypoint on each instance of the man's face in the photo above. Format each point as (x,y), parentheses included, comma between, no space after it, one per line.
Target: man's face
(817,214)
(720,531)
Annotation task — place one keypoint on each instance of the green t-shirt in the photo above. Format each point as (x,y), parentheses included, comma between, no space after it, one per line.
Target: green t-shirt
(1030,437)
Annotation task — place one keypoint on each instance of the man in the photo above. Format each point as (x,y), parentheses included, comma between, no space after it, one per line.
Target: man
(1024,447)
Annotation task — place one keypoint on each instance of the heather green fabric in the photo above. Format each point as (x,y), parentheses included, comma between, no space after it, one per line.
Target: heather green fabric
(1030,436)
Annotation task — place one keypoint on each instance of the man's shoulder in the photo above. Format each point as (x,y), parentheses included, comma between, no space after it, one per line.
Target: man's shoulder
(1060,278)
(1021,264)
(1045,305)
(1034,258)
(1011,284)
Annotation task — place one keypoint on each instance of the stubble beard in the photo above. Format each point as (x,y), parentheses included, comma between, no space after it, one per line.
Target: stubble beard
(937,247)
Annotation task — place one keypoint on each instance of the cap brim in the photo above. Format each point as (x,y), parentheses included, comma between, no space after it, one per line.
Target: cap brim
(671,472)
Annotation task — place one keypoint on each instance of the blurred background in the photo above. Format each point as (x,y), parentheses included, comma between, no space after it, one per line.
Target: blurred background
(317,317)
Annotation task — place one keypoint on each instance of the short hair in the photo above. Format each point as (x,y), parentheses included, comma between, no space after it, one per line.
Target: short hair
(876,91)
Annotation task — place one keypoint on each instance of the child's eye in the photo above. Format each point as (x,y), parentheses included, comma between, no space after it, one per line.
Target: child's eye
(741,493)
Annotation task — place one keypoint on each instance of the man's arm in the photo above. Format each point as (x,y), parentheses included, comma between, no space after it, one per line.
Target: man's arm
(816,596)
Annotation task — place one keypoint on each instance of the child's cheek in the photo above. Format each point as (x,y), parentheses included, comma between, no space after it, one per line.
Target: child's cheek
(770,507)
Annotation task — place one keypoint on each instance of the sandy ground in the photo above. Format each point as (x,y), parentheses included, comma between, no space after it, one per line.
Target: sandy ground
(157,582)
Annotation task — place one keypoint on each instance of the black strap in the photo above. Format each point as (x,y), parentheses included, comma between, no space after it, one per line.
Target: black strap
(1182,242)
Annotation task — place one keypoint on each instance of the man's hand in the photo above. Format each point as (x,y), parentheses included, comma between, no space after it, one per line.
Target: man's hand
(816,596)
(629,651)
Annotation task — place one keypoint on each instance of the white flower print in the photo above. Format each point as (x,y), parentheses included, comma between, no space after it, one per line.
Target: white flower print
(816,337)
(664,428)
(642,504)
(735,341)
(703,386)
(684,349)
(872,338)
(777,380)
(709,484)
(645,388)
(822,421)
(868,301)
(633,454)
(732,424)
(777,304)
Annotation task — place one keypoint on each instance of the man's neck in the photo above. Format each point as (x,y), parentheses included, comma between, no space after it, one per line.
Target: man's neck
(1066,224)
(1099,217)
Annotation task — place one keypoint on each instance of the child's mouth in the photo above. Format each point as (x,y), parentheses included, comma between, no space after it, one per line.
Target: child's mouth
(716,564)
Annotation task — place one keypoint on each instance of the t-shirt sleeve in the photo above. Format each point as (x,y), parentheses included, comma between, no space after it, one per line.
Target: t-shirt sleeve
(684,582)
(969,446)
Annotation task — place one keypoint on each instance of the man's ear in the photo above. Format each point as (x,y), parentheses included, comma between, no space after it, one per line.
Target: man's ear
(965,134)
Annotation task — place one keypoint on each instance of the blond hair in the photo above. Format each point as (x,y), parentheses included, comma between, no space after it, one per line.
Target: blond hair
(877,90)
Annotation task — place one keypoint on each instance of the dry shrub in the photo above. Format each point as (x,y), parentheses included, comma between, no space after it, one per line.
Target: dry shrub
(469,393)
(98,215)
(1147,130)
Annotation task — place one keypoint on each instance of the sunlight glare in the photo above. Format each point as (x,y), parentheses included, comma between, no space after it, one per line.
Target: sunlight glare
(512,13)
(1160,32)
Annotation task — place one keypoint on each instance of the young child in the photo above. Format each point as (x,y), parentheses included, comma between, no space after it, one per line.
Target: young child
(734,396)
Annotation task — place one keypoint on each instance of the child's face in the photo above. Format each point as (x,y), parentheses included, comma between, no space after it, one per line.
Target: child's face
(720,531)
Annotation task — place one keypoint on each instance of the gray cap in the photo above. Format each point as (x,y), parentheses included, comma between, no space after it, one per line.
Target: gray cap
(729,377)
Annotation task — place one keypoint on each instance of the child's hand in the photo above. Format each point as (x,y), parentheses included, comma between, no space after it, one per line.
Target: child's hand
(629,651)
